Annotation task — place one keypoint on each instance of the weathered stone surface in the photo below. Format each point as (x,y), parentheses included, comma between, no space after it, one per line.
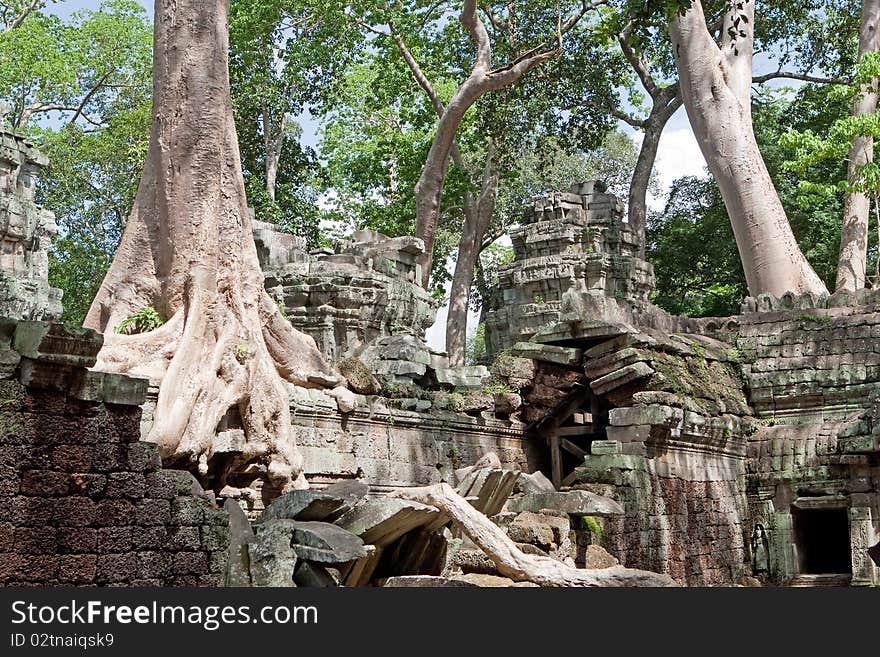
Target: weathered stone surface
(359,377)
(240,536)
(546,352)
(491,581)
(548,532)
(535,482)
(315,576)
(381,522)
(309,505)
(325,543)
(598,557)
(575,502)
(365,293)
(425,581)
(462,377)
(349,489)
(271,557)
(26,231)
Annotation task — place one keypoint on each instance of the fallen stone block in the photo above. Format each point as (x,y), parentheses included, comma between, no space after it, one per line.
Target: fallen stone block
(360,572)
(574,502)
(596,556)
(55,343)
(535,482)
(547,353)
(324,542)
(240,536)
(383,521)
(462,377)
(272,559)
(314,575)
(621,377)
(308,505)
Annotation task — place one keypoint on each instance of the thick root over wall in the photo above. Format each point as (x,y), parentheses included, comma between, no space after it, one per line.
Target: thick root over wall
(513,562)
(188,251)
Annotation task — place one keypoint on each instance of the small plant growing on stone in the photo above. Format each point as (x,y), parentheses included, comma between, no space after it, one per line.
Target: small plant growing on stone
(143,321)
(539,298)
(242,352)
(281,308)
(824,320)
(591,524)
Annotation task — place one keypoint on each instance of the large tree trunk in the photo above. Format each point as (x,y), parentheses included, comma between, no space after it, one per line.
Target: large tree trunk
(852,260)
(478,215)
(188,251)
(665,105)
(511,561)
(716,88)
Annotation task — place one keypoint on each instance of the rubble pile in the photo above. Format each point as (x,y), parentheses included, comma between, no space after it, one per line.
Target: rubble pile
(342,536)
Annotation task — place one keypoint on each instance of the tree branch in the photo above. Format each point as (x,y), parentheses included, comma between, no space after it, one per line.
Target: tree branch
(791,75)
(25,12)
(87,98)
(639,64)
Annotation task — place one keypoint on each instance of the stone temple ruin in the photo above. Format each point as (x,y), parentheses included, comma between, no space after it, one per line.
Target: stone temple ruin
(25,233)
(723,451)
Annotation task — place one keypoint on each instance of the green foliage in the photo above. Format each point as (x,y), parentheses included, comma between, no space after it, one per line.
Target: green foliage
(143,321)
(823,320)
(94,69)
(476,347)
(592,525)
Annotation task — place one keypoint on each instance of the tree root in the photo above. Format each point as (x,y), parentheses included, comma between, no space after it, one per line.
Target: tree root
(510,560)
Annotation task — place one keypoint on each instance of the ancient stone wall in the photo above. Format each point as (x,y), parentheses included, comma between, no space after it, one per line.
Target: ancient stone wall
(385,442)
(82,501)
(574,242)
(812,369)
(25,231)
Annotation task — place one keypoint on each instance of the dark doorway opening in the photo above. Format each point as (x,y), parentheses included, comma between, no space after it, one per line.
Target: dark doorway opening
(822,538)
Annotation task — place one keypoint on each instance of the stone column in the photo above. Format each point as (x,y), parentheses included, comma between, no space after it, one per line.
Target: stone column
(861,537)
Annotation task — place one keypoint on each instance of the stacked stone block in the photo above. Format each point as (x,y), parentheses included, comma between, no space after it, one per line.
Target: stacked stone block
(365,290)
(569,241)
(25,232)
(84,502)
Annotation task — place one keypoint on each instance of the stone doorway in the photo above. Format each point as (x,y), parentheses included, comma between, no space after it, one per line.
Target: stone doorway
(822,541)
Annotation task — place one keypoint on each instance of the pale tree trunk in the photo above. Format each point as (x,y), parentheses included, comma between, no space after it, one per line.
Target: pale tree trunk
(188,251)
(852,260)
(665,105)
(482,80)
(510,561)
(477,217)
(665,102)
(716,88)
(273,142)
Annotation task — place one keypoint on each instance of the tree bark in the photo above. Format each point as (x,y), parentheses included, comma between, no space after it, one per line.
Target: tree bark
(666,103)
(477,217)
(188,251)
(274,144)
(853,256)
(481,80)
(511,561)
(716,88)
